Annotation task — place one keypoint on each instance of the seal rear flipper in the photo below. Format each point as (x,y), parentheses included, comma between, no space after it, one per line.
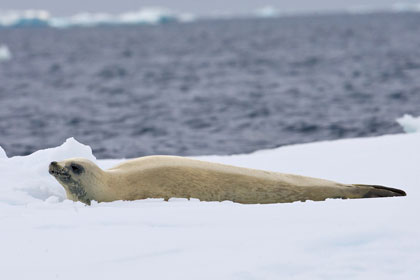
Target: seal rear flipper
(380,191)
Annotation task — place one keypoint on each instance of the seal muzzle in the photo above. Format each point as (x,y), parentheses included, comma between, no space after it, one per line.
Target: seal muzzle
(58,171)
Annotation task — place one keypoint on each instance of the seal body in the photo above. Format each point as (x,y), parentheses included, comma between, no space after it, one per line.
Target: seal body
(169,177)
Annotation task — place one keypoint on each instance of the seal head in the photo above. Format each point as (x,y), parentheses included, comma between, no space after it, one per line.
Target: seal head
(77,176)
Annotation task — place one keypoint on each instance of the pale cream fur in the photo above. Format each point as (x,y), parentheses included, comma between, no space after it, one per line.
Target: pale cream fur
(169,177)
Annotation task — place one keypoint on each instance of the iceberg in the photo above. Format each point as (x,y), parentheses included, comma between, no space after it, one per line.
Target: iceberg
(267,12)
(52,237)
(151,15)
(409,123)
(160,15)
(147,15)
(5,54)
(406,7)
(24,18)
(83,19)
(364,9)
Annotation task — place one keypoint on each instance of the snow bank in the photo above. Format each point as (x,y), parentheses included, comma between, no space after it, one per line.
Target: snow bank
(5,53)
(44,236)
(409,123)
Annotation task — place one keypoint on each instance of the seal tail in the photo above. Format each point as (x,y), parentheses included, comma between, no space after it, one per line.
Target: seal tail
(380,191)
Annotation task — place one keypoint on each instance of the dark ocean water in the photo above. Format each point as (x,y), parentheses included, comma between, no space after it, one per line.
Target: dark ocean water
(216,87)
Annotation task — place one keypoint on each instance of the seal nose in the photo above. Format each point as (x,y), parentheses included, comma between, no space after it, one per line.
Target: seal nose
(52,167)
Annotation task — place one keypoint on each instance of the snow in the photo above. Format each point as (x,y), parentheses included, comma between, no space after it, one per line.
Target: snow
(44,236)
(5,53)
(409,123)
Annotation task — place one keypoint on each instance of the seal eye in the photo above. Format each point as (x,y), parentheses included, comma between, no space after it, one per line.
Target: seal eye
(76,168)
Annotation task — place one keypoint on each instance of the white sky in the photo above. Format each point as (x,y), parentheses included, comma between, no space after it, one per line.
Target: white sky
(64,8)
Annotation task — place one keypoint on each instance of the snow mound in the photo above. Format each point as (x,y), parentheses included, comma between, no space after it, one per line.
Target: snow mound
(5,53)
(25,178)
(409,123)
